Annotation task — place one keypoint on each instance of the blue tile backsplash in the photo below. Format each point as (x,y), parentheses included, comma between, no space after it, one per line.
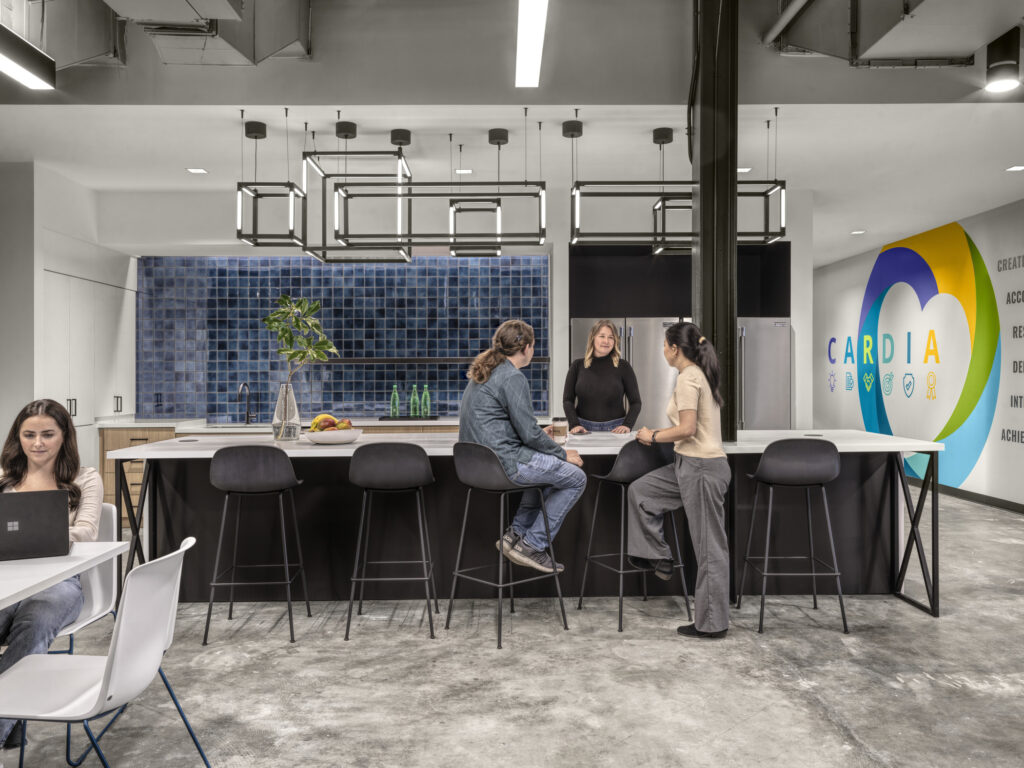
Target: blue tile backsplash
(199,333)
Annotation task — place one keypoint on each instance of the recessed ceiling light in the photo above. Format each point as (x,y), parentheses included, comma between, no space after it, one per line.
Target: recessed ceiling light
(858,231)
(197,170)
(533,16)
(463,171)
(744,170)
(1015,168)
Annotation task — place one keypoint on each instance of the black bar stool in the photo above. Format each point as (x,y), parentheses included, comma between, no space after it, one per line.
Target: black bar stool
(799,462)
(480,469)
(633,462)
(253,470)
(391,468)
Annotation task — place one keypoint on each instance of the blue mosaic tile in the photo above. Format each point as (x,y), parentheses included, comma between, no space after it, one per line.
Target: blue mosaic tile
(199,332)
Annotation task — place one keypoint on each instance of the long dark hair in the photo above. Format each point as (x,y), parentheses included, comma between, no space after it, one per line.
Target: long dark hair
(15,464)
(512,336)
(700,350)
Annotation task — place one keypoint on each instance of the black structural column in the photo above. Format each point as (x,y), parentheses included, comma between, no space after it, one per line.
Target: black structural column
(714,165)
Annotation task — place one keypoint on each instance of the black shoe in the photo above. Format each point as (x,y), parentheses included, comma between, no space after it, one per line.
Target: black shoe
(690,630)
(640,563)
(662,568)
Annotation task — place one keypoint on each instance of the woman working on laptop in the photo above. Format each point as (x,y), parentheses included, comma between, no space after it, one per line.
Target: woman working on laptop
(41,454)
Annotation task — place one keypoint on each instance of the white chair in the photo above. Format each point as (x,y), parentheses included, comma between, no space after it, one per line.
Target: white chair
(78,688)
(99,584)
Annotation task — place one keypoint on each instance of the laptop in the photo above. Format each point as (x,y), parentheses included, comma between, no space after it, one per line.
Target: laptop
(34,524)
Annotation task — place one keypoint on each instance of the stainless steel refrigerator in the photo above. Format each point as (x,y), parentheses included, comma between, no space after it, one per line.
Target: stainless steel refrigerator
(642,339)
(765,373)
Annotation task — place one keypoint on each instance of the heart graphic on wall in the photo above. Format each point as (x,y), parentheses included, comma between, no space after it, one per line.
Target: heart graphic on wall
(869,379)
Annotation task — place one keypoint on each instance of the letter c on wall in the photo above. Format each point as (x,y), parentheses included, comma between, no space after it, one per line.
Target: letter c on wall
(831,341)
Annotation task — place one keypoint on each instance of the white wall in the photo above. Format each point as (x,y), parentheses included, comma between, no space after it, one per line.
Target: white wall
(800,233)
(980,457)
(17,277)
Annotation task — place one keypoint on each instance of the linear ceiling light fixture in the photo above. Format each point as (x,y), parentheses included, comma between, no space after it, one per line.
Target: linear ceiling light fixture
(1002,63)
(22,61)
(533,16)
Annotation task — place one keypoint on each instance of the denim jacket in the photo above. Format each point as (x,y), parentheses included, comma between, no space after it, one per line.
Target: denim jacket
(499,414)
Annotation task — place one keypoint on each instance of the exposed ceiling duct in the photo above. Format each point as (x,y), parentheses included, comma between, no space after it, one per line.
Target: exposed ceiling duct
(221,32)
(911,33)
(72,32)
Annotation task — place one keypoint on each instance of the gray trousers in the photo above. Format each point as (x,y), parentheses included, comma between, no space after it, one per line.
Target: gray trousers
(699,486)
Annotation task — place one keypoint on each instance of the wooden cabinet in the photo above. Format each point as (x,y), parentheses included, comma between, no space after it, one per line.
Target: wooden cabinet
(112,440)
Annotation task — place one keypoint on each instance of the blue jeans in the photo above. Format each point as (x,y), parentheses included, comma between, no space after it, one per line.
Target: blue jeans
(601,426)
(566,482)
(29,626)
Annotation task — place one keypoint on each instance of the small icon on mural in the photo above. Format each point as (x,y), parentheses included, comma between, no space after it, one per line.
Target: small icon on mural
(850,382)
(908,384)
(869,379)
(831,381)
(887,383)
(930,394)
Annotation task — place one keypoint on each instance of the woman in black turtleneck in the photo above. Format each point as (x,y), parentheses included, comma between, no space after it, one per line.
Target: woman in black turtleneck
(596,384)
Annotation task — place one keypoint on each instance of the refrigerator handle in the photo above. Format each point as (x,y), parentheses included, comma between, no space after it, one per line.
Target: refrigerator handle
(742,376)
(629,344)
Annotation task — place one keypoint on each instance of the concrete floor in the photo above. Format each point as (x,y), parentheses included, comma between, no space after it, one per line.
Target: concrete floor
(903,689)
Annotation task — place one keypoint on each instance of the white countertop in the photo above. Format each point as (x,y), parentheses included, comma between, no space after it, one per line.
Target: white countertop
(440,444)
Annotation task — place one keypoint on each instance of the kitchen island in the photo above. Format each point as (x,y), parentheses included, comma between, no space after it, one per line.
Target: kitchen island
(867,501)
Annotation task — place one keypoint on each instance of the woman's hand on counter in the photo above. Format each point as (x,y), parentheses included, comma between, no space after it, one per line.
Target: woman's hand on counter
(579,430)
(621,430)
(573,457)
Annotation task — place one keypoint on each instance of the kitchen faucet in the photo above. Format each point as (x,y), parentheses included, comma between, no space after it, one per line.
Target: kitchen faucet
(249,416)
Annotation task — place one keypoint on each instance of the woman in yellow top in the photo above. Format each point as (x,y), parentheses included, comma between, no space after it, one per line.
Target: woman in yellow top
(696,480)
(41,454)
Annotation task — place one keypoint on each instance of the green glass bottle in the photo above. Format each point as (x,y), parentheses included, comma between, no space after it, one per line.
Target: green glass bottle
(425,403)
(414,404)
(394,402)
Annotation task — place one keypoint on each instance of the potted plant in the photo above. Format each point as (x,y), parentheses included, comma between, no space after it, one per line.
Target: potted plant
(301,340)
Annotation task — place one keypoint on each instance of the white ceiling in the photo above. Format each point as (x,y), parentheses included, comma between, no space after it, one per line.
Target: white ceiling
(892,169)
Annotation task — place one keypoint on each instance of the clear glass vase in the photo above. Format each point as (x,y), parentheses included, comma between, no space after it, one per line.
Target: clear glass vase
(286,424)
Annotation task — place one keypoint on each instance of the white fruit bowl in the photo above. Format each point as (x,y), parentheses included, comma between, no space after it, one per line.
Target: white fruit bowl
(335,437)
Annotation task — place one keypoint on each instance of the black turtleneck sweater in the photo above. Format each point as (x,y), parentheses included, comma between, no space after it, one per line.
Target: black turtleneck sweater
(596,393)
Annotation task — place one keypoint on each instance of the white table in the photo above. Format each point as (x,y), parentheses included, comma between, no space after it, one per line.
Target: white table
(23,578)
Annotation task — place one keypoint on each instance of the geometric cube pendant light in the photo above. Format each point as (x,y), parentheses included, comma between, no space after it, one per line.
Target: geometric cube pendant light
(260,201)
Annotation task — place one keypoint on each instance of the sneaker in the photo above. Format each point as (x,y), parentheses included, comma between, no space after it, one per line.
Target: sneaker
(507,541)
(538,559)
(690,630)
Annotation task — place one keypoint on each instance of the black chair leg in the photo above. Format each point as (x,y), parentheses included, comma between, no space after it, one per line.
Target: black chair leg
(622,545)
(835,562)
(810,543)
(501,562)
(234,560)
(554,562)
(679,558)
(366,550)
(287,570)
(746,557)
(355,566)
(423,556)
(458,559)
(590,548)
(426,534)
(216,567)
(298,552)
(764,572)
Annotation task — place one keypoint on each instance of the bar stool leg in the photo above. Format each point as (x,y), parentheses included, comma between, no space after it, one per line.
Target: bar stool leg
(511,586)
(234,560)
(216,567)
(501,562)
(426,534)
(682,570)
(622,545)
(298,551)
(366,550)
(423,555)
(551,551)
(355,566)
(590,548)
(287,570)
(458,559)
(750,539)
(835,562)
(810,541)
(764,572)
